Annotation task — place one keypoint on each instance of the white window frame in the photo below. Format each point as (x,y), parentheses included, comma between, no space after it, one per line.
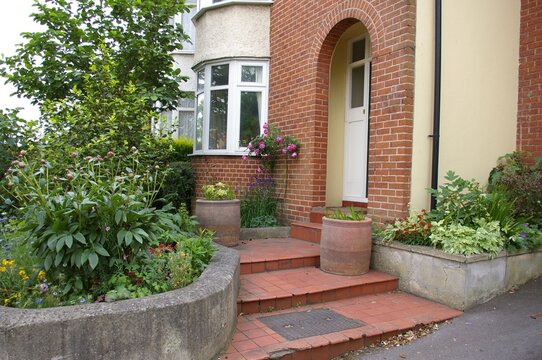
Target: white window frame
(234,87)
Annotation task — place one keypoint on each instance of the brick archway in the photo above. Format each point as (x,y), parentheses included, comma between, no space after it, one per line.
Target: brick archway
(299,83)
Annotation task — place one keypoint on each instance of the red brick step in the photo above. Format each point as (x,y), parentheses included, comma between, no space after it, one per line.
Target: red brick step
(284,289)
(306,231)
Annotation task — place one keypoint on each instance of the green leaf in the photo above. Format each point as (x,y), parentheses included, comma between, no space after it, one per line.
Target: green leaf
(67,289)
(100,250)
(69,240)
(58,258)
(48,261)
(60,243)
(80,237)
(93,260)
(120,236)
(78,284)
(128,238)
(51,243)
(84,256)
(118,216)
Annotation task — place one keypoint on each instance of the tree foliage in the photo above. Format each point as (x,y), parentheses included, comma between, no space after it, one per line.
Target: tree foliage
(137,34)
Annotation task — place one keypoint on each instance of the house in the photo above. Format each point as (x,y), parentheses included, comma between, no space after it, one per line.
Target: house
(384,96)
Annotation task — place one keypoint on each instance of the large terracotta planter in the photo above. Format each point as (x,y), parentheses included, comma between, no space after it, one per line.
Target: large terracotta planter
(345,246)
(221,216)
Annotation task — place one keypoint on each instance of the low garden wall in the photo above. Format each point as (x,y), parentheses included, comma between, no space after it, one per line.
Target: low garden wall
(265,232)
(195,322)
(454,280)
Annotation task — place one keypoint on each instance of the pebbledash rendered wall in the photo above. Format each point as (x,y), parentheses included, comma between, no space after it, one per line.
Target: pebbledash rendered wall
(298,102)
(529,135)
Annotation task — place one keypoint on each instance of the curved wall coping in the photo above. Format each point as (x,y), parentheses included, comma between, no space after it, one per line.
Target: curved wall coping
(229,3)
(194,322)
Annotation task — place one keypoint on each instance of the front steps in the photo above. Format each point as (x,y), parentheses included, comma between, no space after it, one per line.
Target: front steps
(281,276)
(312,230)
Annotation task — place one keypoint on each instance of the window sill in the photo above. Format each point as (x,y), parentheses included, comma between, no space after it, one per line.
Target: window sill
(219,153)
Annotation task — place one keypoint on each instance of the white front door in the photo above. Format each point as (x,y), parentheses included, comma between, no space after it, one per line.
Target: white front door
(356,121)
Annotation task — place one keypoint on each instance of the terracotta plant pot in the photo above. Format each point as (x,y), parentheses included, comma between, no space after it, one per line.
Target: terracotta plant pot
(221,216)
(345,246)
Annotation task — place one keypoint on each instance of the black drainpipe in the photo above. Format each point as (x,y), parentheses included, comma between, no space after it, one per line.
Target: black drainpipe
(436,100)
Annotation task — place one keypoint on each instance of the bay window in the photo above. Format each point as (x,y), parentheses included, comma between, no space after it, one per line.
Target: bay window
(231,100)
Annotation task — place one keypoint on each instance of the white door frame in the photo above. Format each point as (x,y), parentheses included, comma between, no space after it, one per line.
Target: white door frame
(356,119)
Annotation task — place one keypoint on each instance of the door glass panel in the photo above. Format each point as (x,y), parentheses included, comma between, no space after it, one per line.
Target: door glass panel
(220,75)
(218,119)
(251,74)
(251,109)
(357,92)
(199,122)
(358,50)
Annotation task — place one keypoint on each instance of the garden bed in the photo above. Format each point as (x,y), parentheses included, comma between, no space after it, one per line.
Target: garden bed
(454,280)
(195,322)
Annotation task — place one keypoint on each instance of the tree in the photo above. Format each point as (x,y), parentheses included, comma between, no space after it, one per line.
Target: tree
(138,35)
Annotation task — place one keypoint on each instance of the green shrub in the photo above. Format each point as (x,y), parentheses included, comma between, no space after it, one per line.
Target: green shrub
(179,184)
(259,203)
(526,238)
(218,191)
(177,149)
(96,217)
(521,178)
(455,238)
(414,230)
(351,215)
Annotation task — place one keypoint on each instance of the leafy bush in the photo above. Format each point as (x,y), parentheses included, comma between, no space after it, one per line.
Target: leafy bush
(177,149)
(179,184)
(351,215)
(528,237)
(414,230)
(14,135)
(94,218)
(218,191)
(259,203)
(521,178)
(455,238)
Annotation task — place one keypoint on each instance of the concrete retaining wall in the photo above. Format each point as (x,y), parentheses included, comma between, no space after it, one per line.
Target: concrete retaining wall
(265,232)
(195,322)
(457,281)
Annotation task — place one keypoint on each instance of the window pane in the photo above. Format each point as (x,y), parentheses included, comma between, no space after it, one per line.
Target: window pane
(358,50)
(199,122)
(358,87)
(187,102)
(189,28)
(220,75)
(218,119)
(251,74)
(251,110)
(201,80)
(186,124)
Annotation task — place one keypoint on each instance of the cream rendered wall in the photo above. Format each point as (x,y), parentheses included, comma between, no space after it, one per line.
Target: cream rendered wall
(184,61)
(336,110)
(232,30)
(480,51)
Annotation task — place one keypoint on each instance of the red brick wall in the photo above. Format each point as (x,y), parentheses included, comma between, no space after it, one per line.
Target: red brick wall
(529,136)
(303,36)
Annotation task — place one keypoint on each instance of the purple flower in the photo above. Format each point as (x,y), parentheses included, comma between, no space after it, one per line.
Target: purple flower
(279,139)
(39,300)
(244,157)
(259,169)
(284,150)
(256,151)
(523,235)
(261,145)
(291,147)
(44,287)
(265,126)
(82,300)
(294,154)
(249,146)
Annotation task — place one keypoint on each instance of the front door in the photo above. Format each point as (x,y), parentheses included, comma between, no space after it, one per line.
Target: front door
(356,121)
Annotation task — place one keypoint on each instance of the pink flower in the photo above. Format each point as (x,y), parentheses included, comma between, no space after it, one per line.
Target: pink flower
(256,151)
(261,145)
(291,147)
(259,169)
(244,157)
(279,139)
(284,150)
(265,126)
(294,154)
(249,146)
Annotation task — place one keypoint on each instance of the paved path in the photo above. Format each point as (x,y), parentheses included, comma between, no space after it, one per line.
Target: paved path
(508,327)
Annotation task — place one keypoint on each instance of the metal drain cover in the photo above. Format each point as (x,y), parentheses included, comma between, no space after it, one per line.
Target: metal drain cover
(298,325)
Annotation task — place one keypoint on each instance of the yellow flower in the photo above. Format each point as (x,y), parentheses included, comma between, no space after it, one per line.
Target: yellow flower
(6,301)
(22,273)
(4,262)
(3,269)
(41,275)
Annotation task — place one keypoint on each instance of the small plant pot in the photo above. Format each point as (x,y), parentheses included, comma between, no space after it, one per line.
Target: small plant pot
(221,216)
(345,246)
